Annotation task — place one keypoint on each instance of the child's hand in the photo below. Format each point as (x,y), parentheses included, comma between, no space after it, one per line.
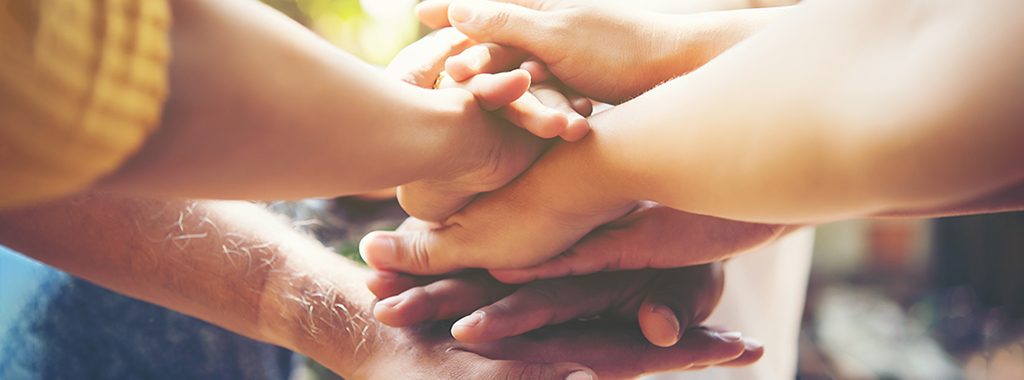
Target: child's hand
(486,154)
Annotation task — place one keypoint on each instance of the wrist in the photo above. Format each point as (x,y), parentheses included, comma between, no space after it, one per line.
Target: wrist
(599,186)
(447,116)
(318,305)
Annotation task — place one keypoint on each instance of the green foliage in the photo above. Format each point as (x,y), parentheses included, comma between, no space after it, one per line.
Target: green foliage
(375,38)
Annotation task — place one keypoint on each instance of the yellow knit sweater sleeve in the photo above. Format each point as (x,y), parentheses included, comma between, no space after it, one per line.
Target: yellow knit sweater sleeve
(82,83)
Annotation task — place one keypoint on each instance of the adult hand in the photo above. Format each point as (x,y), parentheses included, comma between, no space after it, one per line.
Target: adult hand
(575,351)
(503,153)
(605,52)
(323,314)
(665,302)
(521,238)
(490,152)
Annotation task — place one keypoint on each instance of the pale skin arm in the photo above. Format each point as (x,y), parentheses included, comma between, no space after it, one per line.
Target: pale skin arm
(833,121)
(812,119)
(823,119)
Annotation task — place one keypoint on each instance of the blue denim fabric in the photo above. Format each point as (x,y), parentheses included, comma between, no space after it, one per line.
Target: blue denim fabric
(55,326)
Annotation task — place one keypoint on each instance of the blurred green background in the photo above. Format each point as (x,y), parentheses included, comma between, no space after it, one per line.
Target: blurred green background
(373,30)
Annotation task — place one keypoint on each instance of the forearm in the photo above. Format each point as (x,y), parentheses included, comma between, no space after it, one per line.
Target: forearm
(261,108)
(813,118)
(230,263)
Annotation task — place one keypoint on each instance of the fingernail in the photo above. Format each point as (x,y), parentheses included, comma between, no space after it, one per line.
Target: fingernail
(460,13)
(752,344)
(731,336)
(665,313)
(580,375)
(470,320)
(377,249)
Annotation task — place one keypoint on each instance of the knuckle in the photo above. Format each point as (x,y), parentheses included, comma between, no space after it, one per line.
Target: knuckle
(421,253)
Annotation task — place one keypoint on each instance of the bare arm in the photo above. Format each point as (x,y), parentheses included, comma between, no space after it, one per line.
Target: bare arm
(813,119)
(240,267)
(261,108)
(817,118)
(230,263)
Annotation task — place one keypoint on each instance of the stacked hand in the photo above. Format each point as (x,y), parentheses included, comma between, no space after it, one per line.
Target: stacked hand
(526,228)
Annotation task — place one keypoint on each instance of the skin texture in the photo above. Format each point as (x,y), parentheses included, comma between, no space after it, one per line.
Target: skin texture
(238,266)
(663,302)
(650,47)
(543,106)
(235,127)
(833,129)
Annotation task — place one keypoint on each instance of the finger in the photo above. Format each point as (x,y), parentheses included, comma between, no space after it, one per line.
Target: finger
(660,324)
(481,235)
(540,73)
(384,284)
(536,305)
(422,61)
(508,24)
(537,70)
(669,238)
(580,103)
(493,91)
(442,299)
(565,265)
(553,98)
(418,253)
(678,299)
(753,351)
(616,351)
(484,58)
(434,13)
(529,113)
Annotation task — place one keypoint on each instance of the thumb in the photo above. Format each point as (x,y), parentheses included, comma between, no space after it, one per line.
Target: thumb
(418,252)
(681,299)
(505,24)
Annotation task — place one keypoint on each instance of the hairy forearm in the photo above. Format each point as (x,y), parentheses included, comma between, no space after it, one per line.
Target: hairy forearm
(261,108)
(230,263)
(816,118)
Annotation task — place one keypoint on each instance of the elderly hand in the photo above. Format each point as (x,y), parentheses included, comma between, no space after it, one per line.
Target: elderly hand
(665,302)
(574,351)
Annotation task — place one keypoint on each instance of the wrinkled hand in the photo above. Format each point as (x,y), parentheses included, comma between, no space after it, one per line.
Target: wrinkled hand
(665,302)
(605,52)
(575,351)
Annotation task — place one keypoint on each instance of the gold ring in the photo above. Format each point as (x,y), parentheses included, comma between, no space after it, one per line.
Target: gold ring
(440,78)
